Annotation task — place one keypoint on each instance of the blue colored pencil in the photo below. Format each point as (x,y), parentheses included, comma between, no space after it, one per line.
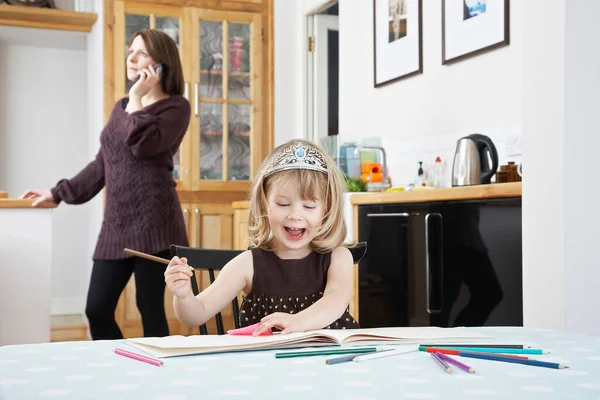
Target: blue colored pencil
(535,363)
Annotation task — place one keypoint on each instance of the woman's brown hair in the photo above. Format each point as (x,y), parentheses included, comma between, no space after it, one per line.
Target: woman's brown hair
(163,49)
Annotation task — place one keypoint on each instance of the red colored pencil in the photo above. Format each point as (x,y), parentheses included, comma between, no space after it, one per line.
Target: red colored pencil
(457,352)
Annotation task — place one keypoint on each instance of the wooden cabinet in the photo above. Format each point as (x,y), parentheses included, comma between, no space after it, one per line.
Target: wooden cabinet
(227,66)
(240,224)
(226,49)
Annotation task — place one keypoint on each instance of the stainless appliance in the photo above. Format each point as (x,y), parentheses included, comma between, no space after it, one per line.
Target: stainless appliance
(475,161)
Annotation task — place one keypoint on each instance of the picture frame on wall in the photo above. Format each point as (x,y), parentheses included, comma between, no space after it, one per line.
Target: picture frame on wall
(397,40)
(473,27)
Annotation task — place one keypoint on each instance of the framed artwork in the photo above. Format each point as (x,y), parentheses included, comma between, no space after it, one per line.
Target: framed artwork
(472,27)
(397,40)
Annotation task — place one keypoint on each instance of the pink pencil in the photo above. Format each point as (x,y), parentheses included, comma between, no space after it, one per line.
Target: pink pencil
(139,357)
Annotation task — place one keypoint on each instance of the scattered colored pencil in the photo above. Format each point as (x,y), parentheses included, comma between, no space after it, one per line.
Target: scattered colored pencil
(139,357)
(325,352)
(342,359)
(499,350)
(460,365)
(384,353)
(535,363)
(441,362)
(496,346)
(457,352)
(357,357)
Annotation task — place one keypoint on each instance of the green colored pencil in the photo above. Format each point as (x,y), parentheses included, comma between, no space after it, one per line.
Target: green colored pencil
(325,352)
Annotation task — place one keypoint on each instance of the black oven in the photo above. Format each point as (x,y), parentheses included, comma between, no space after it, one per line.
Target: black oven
(441,264)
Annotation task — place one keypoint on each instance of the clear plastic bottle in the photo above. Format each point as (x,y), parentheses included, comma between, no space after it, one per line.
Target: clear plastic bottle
(438,173)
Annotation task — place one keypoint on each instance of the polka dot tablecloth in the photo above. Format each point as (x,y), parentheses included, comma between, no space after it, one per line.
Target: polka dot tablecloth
(91,370)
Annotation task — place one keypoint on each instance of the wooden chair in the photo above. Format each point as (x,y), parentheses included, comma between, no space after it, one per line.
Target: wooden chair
(214,260)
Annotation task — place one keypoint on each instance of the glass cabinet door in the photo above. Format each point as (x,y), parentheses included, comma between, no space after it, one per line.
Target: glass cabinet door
(226,98)
(131,17)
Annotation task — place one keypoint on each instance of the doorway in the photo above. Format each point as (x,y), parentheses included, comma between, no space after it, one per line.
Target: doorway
(323,78)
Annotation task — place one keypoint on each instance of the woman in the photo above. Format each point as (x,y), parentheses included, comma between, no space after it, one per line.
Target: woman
(135,165)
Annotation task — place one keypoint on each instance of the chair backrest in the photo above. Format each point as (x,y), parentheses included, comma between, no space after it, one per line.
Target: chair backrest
(210,260)
(214,260)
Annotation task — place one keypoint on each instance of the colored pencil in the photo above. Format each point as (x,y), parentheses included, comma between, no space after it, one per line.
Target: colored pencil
(496,346)
(384,353)
(139,357)
(495,350)
(353,357)
(457,352)
(535,363)
(460,365)
(342,359)
(325,352)
(441,362)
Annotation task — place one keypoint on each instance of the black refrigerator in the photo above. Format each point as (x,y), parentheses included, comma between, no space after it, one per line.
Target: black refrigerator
(446,264)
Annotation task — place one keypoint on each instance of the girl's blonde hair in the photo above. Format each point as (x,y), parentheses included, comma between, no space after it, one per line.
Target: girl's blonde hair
(328,188)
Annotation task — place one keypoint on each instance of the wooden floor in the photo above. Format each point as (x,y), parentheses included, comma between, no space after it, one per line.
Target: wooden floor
(67,328)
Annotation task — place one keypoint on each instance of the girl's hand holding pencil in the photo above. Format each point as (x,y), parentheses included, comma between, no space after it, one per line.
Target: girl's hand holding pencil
(178,277)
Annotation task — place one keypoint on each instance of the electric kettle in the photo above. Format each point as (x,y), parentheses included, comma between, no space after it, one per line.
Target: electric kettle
(475,161)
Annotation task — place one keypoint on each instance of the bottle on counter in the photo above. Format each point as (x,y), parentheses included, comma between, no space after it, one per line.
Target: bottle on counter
(438,173)
(420,181)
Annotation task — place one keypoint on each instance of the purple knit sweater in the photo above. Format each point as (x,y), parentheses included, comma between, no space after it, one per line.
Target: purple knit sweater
(135,163)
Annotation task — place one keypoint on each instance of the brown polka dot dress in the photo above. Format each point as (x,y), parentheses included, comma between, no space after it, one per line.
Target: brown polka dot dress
(288,286)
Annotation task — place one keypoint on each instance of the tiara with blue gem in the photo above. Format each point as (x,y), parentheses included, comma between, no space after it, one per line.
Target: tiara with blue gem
(297,156)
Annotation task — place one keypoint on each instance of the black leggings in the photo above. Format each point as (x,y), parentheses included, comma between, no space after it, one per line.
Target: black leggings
(109,278)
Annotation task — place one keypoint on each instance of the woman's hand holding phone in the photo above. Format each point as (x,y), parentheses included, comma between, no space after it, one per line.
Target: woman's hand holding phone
(148,78)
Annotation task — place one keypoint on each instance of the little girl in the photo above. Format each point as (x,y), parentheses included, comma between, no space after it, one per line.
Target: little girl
(297,276)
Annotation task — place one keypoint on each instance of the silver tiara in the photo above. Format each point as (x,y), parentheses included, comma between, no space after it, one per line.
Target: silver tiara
(297,156)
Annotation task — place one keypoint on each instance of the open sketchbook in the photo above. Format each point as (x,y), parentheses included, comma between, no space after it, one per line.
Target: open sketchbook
(170,346)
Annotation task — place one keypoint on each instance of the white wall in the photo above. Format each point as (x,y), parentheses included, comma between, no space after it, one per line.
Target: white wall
(51,115)
(43,120)
(579,174)
(421,117)
(543,131)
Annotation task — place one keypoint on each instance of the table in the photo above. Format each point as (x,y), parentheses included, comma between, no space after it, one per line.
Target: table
(91,370)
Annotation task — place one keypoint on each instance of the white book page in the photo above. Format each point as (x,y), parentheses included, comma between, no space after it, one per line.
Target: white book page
(421,334)
(229,341)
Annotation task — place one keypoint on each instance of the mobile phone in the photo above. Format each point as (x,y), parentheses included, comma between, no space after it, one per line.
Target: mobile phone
(158,67)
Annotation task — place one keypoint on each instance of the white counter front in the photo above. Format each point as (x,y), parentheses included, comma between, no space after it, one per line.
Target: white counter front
(25,267)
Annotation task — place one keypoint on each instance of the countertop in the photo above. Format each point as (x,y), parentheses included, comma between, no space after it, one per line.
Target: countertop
(492,191)
(21,203)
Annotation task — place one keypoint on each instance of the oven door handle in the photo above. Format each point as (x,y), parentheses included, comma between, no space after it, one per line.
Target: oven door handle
(404,215)
(434,263)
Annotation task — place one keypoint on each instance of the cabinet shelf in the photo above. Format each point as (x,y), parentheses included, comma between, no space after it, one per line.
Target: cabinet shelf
(46,18)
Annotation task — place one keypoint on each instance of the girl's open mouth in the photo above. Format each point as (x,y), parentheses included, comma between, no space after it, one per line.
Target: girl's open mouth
(295,233)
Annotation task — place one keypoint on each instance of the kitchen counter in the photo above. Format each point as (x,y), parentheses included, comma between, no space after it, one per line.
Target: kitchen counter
(21,203)
(492,191)
(25,240)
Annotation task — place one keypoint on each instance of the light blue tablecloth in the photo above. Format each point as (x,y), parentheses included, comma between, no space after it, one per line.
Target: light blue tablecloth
(91,370)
